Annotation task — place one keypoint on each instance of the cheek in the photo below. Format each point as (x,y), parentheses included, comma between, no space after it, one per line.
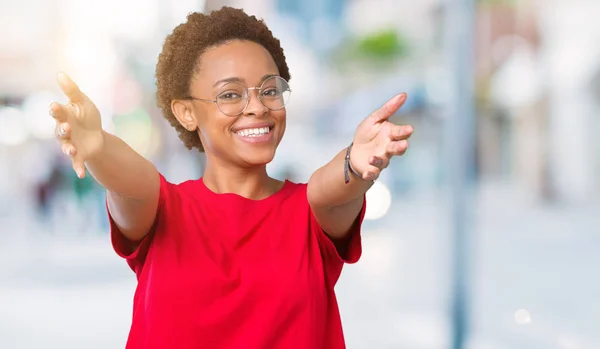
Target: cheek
(215,129)
(281,117)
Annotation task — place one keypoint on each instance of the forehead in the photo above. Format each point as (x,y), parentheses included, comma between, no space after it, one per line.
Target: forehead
(246,60)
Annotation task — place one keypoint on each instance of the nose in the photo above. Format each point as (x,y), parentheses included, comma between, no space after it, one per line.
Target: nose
(255,106)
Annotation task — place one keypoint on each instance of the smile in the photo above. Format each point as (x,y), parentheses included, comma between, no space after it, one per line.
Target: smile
(255,135)
(254,132)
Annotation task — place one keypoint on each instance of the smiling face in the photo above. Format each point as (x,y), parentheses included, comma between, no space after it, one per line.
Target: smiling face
(225,71)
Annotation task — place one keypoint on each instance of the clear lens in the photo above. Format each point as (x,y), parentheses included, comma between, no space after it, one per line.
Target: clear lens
(275,93)
(232,99)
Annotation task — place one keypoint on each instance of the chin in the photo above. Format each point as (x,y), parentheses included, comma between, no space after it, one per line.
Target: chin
(258,157)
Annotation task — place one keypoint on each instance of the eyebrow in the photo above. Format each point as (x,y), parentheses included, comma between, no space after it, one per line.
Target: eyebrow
(240,80)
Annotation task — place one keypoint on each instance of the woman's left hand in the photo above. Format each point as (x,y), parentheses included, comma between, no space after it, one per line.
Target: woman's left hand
(377,140)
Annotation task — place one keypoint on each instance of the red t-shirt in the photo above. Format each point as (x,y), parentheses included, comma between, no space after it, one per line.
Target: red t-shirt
(222,271)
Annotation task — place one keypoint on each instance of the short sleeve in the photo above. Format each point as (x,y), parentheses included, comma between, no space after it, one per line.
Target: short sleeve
(135,252)
(349,251)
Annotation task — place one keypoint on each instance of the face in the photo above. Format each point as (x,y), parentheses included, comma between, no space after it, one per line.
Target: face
(250,138)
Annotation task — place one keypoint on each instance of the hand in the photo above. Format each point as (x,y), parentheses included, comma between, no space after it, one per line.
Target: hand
(377,140)
(78,125)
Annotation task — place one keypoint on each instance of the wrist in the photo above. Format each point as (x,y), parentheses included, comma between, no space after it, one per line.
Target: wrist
(352,170)
(348,168)
(99,147)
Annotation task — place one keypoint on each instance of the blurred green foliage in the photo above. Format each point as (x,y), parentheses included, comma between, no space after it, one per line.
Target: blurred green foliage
(382,45)
(380,48)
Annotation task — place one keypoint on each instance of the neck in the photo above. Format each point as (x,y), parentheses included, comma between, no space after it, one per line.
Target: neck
(251,182)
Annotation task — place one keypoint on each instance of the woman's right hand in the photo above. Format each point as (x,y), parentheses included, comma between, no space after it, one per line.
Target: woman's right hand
(78,125)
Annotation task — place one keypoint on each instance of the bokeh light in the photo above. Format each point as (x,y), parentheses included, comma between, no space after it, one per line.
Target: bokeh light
(35,110)
(13,130)
(137,130)
(522,317)
(379,200)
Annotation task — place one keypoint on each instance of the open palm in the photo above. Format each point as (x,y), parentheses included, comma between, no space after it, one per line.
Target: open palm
(78,125)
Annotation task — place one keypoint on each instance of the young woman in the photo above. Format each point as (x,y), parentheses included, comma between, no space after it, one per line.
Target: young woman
(235,259)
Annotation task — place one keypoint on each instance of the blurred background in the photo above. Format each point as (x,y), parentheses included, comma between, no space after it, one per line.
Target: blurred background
(484,235)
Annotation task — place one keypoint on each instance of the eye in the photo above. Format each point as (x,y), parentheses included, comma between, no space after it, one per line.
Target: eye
(272,92)
(229,95)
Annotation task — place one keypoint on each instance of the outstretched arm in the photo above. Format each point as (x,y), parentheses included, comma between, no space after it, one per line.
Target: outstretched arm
(335,203)
(131,181)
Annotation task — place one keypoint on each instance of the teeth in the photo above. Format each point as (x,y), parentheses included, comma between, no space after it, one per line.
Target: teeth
(253,132)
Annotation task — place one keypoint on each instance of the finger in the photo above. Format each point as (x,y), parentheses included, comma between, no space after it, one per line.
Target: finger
(79,167)
(63,131)
(401,132)
(69,87)
(396,148)
(59,112)
(388,109)
(371,174)
(379,162)
(68,149)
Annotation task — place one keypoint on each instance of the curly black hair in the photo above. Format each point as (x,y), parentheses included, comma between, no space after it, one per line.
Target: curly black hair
(183,48)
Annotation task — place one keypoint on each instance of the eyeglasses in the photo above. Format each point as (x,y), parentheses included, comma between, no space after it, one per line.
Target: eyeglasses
(233,98)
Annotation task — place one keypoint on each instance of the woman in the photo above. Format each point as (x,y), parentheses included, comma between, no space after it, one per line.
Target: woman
(235,259)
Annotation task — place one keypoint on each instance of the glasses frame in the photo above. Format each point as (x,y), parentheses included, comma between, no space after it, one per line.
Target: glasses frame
(247,89)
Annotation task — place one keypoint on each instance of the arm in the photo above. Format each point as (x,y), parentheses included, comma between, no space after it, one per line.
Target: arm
(132,182)
(132,186)
(334,203)
(337,204)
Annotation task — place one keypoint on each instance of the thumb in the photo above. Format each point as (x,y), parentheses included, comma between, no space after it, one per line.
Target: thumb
(69,87)
(388,109)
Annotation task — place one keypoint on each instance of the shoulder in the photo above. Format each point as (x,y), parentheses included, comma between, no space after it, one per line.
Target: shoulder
(189,185)
(170,190)
(293,192)
(294,185)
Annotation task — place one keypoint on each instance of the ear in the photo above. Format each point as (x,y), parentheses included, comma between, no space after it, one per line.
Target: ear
(183,111)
